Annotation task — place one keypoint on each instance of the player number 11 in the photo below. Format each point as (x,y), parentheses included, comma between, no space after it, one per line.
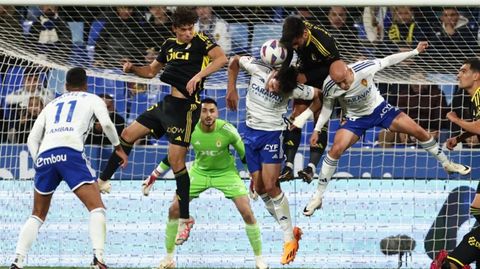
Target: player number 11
(72,104)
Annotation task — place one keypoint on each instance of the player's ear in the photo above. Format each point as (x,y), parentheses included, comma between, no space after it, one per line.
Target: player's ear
(476,76)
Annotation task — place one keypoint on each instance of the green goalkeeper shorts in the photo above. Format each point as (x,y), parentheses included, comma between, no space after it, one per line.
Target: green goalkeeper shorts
(229,183)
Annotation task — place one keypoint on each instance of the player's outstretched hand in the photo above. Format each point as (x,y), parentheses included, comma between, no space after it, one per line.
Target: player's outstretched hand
(314,138)
(451,143)
(232,99)
(452,116)
(422,46)
(122,155)
(104,186)
(127,67)
(193,83)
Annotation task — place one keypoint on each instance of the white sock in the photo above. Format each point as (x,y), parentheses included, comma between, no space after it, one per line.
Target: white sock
(28,234)
(269,205)
(97,229)
(160,169)
(314,168)
(432,147)
(259,259)
(329,166)
(289,164)
(169,256)
(282,211)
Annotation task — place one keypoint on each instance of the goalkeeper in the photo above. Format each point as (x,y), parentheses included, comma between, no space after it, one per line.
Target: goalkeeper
(214,167)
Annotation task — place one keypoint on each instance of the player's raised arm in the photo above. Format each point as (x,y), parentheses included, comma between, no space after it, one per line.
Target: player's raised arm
(402,56)
(232,93)
(146,71)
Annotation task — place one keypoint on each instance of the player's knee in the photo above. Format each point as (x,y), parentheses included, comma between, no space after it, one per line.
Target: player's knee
(260,189)
(336,152)
(177,162)
(128,136)
(272,188)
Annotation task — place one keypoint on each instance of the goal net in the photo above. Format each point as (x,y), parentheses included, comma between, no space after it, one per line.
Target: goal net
(387,185)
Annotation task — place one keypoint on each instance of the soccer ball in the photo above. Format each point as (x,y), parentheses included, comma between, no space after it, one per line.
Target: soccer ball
(272,53)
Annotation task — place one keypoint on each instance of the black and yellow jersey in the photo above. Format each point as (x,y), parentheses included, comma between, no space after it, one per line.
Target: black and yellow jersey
(184,60)
(316,56)
(476,104)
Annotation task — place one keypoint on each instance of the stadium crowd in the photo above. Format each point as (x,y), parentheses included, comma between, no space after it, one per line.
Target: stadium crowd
(98,36)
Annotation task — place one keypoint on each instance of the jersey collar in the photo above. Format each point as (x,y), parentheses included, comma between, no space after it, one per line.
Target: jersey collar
(477,93)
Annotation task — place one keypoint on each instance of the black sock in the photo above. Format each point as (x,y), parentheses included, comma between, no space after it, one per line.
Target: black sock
(114,161)
(317,152)
(467,251)
(291,143)
(183,190)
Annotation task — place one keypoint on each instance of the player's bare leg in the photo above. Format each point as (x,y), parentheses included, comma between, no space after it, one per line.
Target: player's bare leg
(343,140)
(404,124)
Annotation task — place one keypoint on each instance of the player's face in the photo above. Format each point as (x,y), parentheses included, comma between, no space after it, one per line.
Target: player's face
(184,33)
(299,42)
(273,85)
(465,77)
(345,81)
(209,114)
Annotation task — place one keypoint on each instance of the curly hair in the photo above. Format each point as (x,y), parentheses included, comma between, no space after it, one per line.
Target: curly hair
(287,79)
(184,16)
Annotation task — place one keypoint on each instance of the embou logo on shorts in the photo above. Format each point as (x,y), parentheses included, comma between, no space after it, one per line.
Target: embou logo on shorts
(51,160)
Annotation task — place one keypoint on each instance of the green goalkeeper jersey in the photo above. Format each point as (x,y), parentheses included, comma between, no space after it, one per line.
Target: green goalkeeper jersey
(212,149)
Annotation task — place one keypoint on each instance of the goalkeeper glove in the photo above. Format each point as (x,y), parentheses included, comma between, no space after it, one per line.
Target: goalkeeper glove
(104,186)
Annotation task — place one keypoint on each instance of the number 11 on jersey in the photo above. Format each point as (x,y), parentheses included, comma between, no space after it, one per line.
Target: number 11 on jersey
(72,104)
